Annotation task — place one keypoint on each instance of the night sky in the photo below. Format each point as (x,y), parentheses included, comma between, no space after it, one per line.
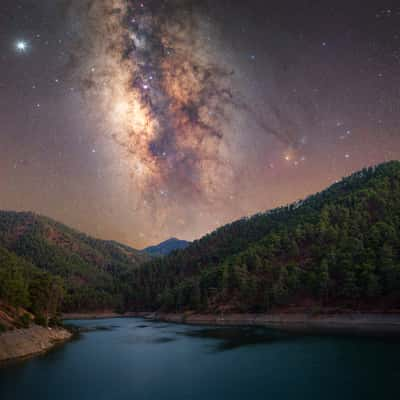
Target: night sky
(141,120)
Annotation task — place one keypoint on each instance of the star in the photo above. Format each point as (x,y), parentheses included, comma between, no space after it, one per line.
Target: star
(21,46)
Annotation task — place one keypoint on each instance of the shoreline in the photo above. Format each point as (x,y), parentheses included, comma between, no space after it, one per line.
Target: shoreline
(334,323)
(20,344)
(350,322)
(25,343)
(103,315)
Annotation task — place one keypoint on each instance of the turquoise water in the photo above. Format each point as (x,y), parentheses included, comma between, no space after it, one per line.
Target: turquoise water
(139,360)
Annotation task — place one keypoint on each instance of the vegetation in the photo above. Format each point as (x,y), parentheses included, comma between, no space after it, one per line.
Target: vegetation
(339,248)
(24,320)
(44,264)
(22,285)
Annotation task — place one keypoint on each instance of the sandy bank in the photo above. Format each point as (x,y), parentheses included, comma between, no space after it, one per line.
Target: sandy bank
(20,343)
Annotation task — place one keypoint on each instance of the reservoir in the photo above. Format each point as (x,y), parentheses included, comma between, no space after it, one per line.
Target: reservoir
(135,359)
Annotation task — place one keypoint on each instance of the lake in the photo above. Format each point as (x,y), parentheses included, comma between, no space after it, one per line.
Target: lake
(134,359)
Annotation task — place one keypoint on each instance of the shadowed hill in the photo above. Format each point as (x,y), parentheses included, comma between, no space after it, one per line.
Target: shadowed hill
(166,247)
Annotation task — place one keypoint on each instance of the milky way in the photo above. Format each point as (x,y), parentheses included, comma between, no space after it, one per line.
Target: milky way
(167,102)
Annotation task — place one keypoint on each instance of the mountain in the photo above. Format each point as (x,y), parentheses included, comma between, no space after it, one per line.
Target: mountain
(166,247)
(91,271)
(336,249)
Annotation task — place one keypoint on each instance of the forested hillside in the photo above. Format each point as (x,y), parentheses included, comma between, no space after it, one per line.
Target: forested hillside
(339,248)
(25,287)
(90,271)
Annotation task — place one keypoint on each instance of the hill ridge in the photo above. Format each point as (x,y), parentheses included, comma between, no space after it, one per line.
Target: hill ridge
(91,268)
(287,244)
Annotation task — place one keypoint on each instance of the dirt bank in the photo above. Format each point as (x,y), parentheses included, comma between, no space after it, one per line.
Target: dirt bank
(20,343)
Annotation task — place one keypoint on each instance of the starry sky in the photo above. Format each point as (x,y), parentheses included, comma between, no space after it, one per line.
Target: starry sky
(142,120)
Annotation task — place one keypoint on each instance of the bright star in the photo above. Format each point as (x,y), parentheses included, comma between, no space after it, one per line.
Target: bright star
(21,46)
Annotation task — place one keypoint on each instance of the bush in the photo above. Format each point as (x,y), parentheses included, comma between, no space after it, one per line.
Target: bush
(41,320)
(24,321)
(55,321)
(3,328)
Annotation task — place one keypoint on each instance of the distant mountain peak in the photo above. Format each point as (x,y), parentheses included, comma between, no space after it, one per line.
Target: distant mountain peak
(166,247)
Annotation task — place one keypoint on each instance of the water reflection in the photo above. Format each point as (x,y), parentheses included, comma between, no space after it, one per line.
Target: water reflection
(230,338)
(85,329)
(147,339)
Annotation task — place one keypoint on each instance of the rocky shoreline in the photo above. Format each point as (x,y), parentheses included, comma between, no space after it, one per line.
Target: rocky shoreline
(21,343)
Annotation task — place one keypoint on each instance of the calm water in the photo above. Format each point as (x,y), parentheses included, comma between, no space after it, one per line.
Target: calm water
(136,360)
